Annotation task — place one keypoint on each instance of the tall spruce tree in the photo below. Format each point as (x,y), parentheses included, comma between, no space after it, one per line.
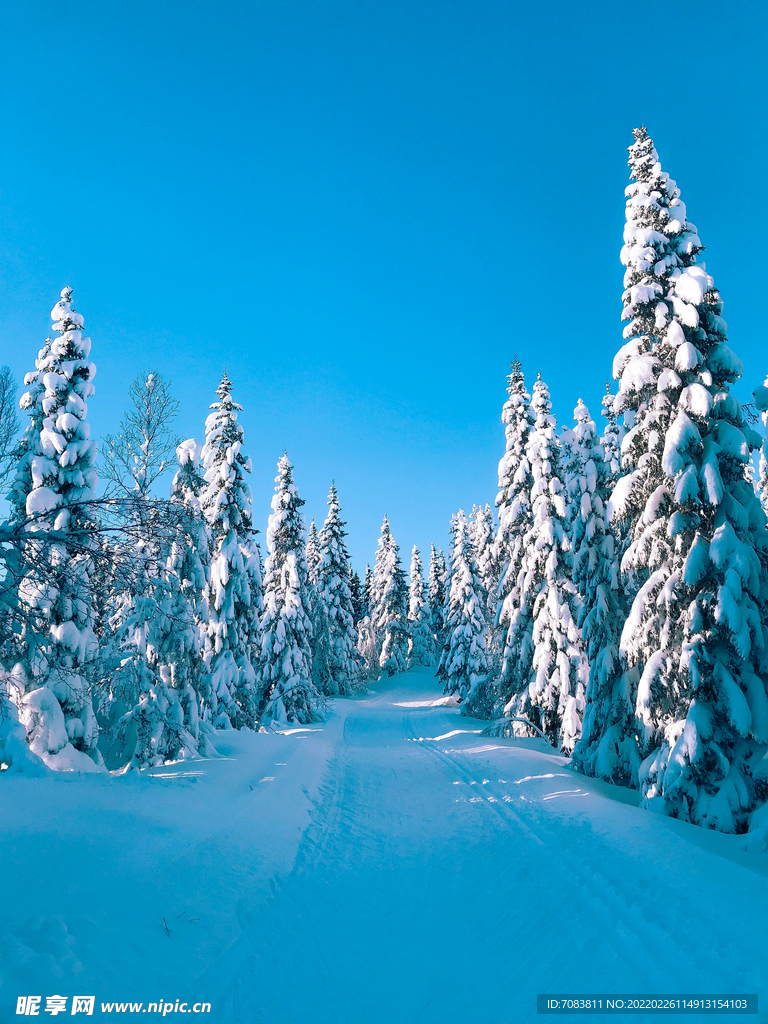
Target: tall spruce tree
(367,646)
(513,503)
(358,599)
(313,553)
(189,560)
(421,647)
(234,596)
(367,590)
(436,597)
(333,586)
(288,691)
(697,554)
(481,534)
(464,660)
(543,658)
(55,480)
(389,605)
(607,748)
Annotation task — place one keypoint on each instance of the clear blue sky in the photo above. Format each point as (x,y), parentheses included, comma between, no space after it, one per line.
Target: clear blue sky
(363,210)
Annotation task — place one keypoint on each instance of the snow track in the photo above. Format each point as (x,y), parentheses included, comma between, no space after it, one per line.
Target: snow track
(391,866)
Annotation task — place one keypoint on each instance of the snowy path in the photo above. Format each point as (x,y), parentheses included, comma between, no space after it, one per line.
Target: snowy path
(392,866)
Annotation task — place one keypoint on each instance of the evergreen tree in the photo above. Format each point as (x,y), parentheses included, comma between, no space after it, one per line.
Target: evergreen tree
(543,658)
(608,746)
(288,691)
(464,661)
(481,534)
(358,599)
(612,437)
(333,585)
(389,605)
(189,561)
(696,560)
(513,503)
(367,590)
(313,554)
(437,596)
(447,576)
(420,641)
(367,646)
(55,479)
(234,591)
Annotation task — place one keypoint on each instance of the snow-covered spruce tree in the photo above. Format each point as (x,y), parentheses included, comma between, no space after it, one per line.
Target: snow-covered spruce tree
(544,658)
(367,646)
(513,503)
(313,553)
(358,599)
(436,592)
(421,645)
(288,691)
(464,661)
(56,475)
(333,576)
(189,563)
(613,435)
(696,560)
(481,533)
(234,598)
(367,590)
(389,605)
(607,747)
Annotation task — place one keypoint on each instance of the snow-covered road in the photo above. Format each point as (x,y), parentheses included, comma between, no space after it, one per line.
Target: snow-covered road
(389,865)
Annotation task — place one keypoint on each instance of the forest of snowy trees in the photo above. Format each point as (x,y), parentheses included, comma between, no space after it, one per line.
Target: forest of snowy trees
(616,603)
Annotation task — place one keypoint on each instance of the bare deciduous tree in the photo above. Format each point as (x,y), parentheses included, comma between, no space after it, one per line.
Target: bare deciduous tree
(142,451)
(9,425)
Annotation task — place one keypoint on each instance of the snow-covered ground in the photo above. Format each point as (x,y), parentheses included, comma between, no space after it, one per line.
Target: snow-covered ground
(388,865)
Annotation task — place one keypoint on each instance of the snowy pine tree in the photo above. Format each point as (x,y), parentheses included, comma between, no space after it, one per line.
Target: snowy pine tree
(437,597)
(481,534)
(189,561)
(333,575)
(608,746)
(367,590)
(234,597)
(513,503)
(56,474)
(367,645)
(464,660)
(696,560)
(389,605)
(313,553)
(544,664)
(420,641)
(288,691)
(358,600)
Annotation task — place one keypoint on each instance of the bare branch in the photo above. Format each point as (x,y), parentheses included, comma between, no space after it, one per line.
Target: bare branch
(143,450)
(9,425)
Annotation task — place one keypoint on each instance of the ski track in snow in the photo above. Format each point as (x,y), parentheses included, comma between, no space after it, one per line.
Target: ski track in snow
(389,865)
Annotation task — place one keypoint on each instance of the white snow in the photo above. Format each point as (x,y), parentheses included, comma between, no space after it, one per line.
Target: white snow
(348,874)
